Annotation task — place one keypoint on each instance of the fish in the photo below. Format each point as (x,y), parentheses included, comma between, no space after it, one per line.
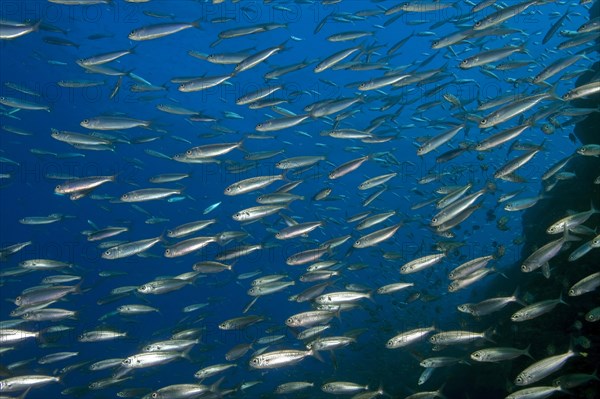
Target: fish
(188,246)
(503,14)
(568,222)
(537,309)
(149,194)
(334,59)
(104,58)
(489,56)
(281,123)
(293,386)
(409,337)
(113,123)
(159,287)
(376,237)
(130,248)
(280,358)
(156,31)
(23,104)
(203,83)
(543,368)
(421,263)
(25,382)
(252,184)
(545,253)
(585,285)
(149,359)
(254,59)
(343,387)
(297,230)
(239,323)
(490,305)
(499,354)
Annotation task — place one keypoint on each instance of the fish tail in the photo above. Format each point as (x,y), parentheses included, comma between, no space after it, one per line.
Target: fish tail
(196,24)
(314,353)
(526,352)
(593,208)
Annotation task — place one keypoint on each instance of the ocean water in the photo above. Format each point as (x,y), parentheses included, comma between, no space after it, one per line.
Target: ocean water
(30,163)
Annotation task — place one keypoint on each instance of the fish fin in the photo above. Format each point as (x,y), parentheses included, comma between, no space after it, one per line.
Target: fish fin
(316,355)
(560,300)
(337,313)
(526,352)
(546,271)
(196,24)
(517,296)
(593,208)
(487,334)
(553,94)
(24,394)
(215,387)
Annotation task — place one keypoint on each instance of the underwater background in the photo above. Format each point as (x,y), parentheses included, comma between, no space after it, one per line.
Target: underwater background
(395,120)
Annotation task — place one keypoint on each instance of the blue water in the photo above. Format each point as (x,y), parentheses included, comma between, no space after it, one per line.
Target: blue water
(31,62)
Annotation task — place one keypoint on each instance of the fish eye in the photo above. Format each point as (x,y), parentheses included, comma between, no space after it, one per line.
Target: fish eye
(483,121)
(168,252)
(524,268)
(85,121)
(228,189)
(188,152)
(519,379)
(477,355)
(434,220)
(143,287)
(572,292)
(464,62)
(436,42)
(478,23)
(255,360)
(154,395)
(107,252)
